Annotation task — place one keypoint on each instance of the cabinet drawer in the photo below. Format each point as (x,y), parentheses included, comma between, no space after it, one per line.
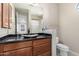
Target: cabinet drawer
(20,52)
(38,50)
(13,46)
(39,42)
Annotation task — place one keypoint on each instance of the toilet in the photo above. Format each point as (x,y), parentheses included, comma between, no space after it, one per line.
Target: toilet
(61,49)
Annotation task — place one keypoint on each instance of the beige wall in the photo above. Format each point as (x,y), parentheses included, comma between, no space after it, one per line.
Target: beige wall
(50,12)
(66,18)
(69,26)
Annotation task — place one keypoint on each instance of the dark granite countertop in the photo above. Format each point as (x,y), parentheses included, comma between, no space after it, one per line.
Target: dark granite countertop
(13,38)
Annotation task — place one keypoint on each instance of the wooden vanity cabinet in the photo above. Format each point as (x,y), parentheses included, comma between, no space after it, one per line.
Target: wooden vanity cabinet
(38,47)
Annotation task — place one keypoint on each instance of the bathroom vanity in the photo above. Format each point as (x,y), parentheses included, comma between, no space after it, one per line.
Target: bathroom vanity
(36,46)
(14,32)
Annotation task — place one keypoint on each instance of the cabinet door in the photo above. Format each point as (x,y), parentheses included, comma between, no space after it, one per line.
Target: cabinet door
(6,17)
(18,45)
(0,15)
(24,52)
(41,49)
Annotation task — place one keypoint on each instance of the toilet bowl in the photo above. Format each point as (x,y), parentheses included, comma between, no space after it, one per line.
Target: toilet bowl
(62,50)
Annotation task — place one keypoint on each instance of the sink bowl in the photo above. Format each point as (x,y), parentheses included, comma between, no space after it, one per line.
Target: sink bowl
(30,35)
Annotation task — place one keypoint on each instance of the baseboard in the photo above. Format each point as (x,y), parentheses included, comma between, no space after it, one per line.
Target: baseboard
(72,53)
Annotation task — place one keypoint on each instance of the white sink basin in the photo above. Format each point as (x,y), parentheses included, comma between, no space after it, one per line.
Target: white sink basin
(30,35)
